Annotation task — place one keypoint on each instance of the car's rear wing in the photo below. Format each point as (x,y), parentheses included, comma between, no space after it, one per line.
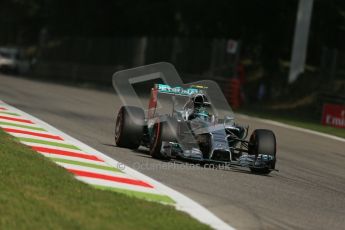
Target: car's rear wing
(175,91)
(179,91)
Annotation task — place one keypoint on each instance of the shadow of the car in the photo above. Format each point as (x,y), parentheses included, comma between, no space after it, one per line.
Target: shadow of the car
(110,145)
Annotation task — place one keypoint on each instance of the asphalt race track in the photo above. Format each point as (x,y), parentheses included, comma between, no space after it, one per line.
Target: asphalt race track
(307,193)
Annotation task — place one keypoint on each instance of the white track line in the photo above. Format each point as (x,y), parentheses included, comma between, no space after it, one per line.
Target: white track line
(279,124)
(183,202)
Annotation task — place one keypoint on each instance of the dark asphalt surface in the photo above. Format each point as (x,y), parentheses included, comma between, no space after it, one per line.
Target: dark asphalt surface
(307,193)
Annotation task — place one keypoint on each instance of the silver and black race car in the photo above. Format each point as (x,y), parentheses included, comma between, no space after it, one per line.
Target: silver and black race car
(181,123)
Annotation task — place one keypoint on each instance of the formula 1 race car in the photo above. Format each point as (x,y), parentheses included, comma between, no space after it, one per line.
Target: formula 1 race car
(187,129)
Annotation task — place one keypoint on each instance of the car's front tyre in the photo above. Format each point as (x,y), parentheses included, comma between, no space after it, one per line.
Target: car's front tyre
(263,142)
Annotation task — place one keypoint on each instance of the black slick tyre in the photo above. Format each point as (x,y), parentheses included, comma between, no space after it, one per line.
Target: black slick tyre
(129,127)
(263,141)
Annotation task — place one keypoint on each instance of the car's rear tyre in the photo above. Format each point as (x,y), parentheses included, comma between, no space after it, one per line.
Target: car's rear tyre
(163,131)
(263,141)
(129,127)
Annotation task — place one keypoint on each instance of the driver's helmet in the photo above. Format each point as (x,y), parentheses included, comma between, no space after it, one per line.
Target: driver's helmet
(200,110)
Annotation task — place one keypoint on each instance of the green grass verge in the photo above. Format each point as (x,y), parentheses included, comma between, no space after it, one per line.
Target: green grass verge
(290,118)
(37,194)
